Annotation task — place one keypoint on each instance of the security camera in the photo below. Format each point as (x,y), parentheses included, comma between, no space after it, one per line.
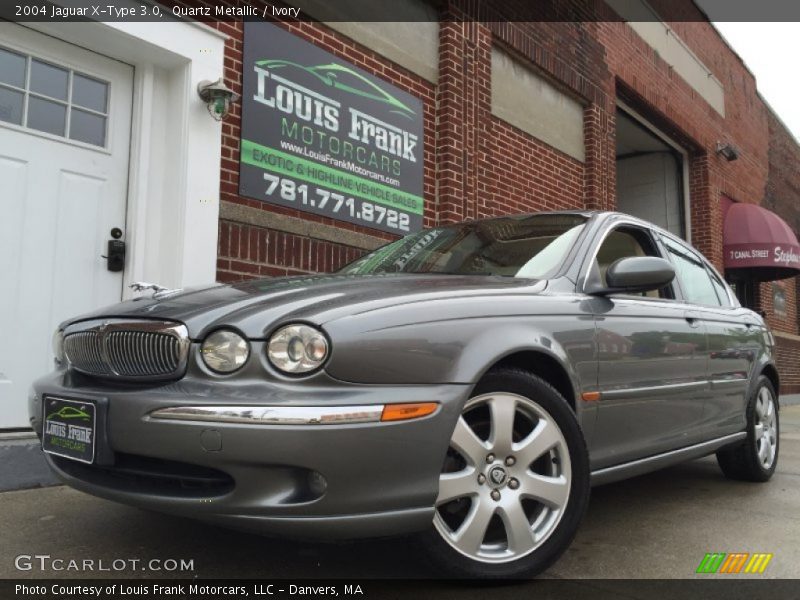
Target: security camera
(728,151)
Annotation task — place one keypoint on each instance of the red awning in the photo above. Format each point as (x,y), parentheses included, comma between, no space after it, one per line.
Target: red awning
(759,245)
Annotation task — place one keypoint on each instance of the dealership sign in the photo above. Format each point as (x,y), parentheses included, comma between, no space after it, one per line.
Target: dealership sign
(323,136)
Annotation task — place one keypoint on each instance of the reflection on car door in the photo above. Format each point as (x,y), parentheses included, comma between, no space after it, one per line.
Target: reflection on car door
(734,344)
(734,340)
(651,365)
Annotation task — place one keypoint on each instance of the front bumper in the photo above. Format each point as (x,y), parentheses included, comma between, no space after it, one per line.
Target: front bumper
(321,481)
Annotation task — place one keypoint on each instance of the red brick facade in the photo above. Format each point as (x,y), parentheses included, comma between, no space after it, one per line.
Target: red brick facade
(248,251)
(477,165)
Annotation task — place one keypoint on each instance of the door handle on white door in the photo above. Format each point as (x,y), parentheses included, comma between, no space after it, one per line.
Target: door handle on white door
(115,258)
(115,255)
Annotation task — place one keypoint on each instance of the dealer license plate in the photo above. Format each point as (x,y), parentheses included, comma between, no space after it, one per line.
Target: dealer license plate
(69,428)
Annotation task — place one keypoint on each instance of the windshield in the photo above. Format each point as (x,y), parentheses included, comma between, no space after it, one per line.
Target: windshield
(531,247)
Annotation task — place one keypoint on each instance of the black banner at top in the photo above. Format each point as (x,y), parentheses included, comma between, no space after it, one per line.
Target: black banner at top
(399,10)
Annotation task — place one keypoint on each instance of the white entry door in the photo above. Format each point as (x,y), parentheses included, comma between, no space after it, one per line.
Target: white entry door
(65,119)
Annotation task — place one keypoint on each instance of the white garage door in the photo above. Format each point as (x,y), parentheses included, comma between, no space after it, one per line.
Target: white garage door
(649,187)
(65,119)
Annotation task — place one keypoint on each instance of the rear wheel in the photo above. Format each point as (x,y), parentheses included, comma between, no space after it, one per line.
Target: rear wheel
(515,483)
(756,458)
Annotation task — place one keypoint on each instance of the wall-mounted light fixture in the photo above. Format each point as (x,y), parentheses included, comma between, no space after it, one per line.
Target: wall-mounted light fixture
(728,151)
(218,97)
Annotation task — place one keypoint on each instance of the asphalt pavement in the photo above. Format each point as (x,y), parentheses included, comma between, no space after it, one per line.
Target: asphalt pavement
(659,525)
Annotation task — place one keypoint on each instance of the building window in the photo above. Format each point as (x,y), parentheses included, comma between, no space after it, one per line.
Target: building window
(746,292)
(779,300)
(52,99)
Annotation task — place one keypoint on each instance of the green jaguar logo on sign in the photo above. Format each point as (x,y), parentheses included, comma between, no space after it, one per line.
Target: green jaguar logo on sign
(336,76)
(70,412)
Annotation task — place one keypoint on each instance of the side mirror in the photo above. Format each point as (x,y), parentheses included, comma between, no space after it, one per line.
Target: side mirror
(635,274)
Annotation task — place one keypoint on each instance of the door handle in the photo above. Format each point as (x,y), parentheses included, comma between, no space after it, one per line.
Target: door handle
(692,319)
(115,258)
(115,255)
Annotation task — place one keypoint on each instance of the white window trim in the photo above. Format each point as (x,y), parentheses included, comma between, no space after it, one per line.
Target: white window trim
(175,159)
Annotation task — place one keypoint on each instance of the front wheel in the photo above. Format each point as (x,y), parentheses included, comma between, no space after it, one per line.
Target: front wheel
(515,483)
(755,459)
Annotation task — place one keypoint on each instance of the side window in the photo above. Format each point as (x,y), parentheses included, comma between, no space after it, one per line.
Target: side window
(694,278)
(623,243)
(720,288)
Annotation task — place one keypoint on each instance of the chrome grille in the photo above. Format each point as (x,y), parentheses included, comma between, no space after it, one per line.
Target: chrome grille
(127,349)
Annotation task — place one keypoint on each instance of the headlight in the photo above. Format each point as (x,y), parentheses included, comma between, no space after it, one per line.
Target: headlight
(58,346)
(225,351)
(297,349)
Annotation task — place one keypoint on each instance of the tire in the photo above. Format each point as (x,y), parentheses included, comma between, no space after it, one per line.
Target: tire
(515,483)
(755,459)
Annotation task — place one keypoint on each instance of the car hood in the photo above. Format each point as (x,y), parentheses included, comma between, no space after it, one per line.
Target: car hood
(256,307)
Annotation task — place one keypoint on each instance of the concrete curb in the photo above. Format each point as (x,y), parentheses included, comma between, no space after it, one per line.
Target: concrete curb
(22,465)
(789,399)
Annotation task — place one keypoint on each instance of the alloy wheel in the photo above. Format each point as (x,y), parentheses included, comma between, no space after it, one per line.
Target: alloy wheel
(766,430)
(506,480)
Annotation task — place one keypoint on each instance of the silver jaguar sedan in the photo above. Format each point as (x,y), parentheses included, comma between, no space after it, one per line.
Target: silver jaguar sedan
(468,383)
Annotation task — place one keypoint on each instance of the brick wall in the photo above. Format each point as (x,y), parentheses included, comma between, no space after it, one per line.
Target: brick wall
(476,165)
(648,83)
(246,250)
(783,184)
(523,174)
(783,197)
(788,365)
(487,167)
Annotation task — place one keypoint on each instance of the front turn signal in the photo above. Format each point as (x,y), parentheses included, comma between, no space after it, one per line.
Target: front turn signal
(404,412)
